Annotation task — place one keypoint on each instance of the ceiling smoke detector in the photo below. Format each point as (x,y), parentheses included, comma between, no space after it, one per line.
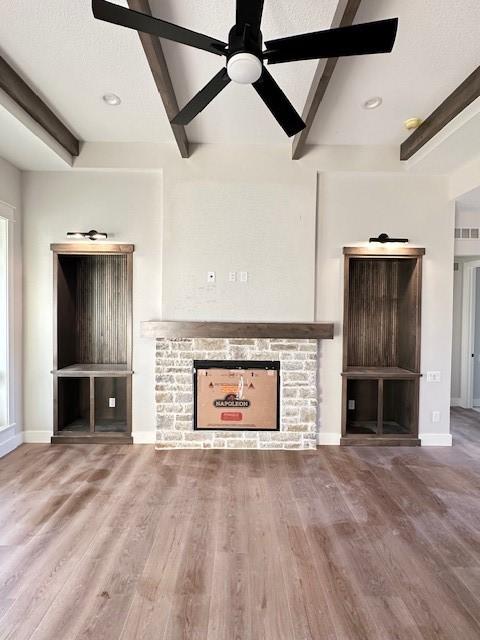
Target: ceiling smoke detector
(412,123)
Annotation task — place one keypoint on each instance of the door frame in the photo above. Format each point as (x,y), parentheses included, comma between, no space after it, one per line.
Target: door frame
(468,332)
(7,213)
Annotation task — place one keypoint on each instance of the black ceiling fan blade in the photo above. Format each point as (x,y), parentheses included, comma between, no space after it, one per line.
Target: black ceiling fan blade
(250,12)
(203,98)
(109,12)
(279,104)
(355,40)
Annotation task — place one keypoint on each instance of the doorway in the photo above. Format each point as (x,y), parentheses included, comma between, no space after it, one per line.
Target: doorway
(4,373)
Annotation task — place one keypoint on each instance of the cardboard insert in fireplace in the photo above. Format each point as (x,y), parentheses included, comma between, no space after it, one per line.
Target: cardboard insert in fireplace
(236,395)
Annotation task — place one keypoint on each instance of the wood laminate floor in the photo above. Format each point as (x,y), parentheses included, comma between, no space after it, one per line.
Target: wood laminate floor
(122,542)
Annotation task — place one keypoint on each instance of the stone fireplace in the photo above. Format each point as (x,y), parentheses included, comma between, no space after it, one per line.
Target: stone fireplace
(174,385)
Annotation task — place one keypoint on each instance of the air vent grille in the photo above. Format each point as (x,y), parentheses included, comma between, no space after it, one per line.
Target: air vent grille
(467,233)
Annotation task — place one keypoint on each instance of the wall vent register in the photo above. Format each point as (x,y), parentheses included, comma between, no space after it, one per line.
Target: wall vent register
(467,233)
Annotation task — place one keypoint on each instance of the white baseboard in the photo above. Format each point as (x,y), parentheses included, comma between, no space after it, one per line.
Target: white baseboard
(436,439)
(328,438)
(37,437)
(144,437)
(11,442)
(455,402)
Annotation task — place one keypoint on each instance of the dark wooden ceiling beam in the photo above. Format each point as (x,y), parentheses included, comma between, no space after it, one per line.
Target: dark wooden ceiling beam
(19,91)
(456,102)
(158,66)
(344,17)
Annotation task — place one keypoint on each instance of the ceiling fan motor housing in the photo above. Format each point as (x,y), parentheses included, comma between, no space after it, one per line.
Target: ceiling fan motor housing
(244,59)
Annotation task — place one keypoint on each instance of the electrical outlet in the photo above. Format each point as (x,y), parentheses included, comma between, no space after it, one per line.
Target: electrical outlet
(435,416)
(351,405)
(211,276)
(433,376)
(111,403)
(243,276)
(232,276)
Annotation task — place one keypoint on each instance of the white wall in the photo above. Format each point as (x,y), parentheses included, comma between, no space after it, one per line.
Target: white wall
(242,211)
(249,209)
(353,207)
(456,389)
(128,206)
(10,195)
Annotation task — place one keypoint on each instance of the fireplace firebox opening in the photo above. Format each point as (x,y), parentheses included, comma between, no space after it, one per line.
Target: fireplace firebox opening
(234,395)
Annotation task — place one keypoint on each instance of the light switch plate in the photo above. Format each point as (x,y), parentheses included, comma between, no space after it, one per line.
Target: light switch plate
(433,376)
(111,403)
(435,416)
(351,405)
(243,276)
(211,276)
(232,276)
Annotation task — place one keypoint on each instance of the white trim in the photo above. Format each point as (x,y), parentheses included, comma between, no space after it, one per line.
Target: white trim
(455,402)
(37,437)
(7,213)
(144,437)
(436,439)
(328,438)
(468,332)
(12,443)
(7,426)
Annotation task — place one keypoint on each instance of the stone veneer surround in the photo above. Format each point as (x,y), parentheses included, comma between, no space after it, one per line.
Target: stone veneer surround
(174,392)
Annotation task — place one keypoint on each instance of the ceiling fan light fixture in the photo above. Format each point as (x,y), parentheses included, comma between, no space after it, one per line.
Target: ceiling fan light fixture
(246,55)
(244,68)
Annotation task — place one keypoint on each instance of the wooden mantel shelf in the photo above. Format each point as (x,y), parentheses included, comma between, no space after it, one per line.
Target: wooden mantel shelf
(289,330)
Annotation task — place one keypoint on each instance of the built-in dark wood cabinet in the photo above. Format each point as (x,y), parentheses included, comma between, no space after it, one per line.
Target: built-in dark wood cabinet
(92,359)
(381,345)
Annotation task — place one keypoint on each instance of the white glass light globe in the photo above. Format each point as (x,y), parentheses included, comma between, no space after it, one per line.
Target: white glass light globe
(244,68)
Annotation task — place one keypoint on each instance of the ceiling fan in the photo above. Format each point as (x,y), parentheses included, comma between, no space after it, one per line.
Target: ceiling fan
(245,55)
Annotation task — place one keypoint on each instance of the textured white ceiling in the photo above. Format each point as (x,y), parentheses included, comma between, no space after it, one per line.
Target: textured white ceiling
(72,60)
(237,114)
(437,47)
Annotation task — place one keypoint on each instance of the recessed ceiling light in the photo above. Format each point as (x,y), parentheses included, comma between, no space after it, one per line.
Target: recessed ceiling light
(112,99)
(372,103)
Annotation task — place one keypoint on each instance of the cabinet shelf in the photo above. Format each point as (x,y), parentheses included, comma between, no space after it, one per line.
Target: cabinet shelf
(98,370)
(74,437)
(380,372)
